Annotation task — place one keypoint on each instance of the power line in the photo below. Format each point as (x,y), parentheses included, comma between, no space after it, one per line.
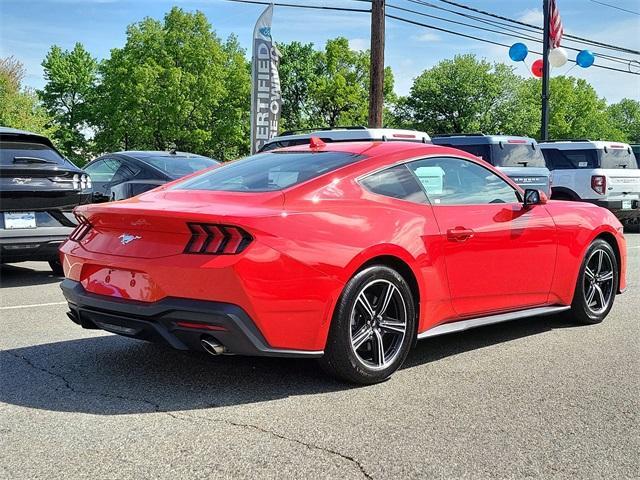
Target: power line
(504,32)
(485,40)
(508,25)
(614,6)
(584,40)
(295,5)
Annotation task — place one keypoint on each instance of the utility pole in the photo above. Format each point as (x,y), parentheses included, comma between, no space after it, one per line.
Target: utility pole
(376,79)
(544,130)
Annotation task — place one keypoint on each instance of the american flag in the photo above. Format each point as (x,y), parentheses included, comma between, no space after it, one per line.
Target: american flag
(555,26)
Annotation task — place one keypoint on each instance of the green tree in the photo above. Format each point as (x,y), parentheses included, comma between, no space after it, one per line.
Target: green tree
(327,88)
(462,95)
(299,69)
(625,115)
(71,78)
(174,83)
(19,106)
(575,110)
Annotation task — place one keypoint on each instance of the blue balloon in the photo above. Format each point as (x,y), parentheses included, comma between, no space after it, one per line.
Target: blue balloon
(518,52)
(585,58)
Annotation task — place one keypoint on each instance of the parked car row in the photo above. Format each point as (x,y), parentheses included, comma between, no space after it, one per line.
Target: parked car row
(40,187)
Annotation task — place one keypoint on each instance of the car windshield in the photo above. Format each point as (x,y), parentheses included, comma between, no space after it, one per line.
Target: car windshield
(179,166)
(517,155)
(269,171)
(12,153)
(617,158)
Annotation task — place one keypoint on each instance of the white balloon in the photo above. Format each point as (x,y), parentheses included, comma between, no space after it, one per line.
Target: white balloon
(558,57)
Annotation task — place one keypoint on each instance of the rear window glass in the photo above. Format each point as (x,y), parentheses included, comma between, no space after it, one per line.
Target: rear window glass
(570,159)
(269,171)
(21,153)
(180,166)
(617,158)
(517,155)
(480,151)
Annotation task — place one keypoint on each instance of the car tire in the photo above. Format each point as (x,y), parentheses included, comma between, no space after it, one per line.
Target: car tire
(56,267)
(372,329)
(597,284)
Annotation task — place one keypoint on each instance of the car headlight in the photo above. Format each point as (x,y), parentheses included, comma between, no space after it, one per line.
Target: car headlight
(76,181)
(88,180)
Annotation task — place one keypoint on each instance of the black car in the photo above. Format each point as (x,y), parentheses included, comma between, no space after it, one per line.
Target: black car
(38,190)
(121,175)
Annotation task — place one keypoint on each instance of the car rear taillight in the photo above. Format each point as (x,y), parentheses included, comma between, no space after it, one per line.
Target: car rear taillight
(216,239)
(599,184)
(81,230)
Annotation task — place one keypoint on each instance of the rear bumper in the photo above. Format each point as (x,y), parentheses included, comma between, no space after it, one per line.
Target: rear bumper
(158,322)
(615,206)
(39,244)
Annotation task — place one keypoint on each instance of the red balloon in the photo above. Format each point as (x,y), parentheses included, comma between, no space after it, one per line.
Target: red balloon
(536,68)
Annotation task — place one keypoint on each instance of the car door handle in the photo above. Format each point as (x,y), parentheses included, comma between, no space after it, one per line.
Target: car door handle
(459,234)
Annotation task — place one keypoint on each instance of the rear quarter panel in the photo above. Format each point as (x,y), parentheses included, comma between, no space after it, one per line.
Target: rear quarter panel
(578,225)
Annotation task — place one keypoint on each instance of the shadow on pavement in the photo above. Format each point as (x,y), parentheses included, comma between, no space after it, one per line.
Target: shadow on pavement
(112,375)
(18,276)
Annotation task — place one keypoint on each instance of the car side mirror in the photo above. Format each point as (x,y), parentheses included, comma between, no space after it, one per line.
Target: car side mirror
(534,197)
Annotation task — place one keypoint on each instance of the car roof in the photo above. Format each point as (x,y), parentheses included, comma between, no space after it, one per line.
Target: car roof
(583,145)
(142,154)
(377,148)
(479,139)
(379,155)
(14,132)
(356,134)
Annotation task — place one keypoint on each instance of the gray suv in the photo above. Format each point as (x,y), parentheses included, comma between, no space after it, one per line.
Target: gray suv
(520,158)
(38,190)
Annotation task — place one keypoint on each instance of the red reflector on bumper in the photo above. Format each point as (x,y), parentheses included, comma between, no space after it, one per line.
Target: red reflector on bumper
(201,326)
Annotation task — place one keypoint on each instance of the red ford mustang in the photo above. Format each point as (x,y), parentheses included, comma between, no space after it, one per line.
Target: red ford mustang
(348,252)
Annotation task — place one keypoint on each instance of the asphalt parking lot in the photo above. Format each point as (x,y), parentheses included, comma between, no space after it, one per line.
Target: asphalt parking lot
(533,398)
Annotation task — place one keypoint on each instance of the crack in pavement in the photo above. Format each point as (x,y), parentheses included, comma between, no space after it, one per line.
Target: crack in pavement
(67,385)
(185,416)
(310,446)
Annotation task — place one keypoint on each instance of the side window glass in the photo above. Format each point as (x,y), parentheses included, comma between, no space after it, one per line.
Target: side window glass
(395,182)
(124,173)
(456,181)
(103,170)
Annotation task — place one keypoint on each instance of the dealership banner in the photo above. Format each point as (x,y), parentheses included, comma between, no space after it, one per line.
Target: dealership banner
(266,98)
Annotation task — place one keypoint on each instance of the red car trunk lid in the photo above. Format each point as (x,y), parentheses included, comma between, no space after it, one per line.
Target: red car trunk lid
(154,225)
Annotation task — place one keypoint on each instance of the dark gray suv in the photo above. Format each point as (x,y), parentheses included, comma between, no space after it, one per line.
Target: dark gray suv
(38,190)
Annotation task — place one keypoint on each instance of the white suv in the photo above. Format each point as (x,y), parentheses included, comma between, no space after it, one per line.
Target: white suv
(604,173)
(346,134)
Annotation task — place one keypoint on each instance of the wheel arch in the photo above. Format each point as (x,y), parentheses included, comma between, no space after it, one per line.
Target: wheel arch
(564,192)
(613,243)
(400,266)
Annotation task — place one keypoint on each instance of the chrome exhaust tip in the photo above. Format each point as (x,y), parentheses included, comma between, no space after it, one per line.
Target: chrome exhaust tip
(212,347)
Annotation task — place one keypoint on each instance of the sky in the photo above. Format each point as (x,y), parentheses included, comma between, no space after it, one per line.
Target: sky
(28,28)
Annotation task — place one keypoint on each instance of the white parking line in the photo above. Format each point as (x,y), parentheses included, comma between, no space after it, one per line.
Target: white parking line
(35,305)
